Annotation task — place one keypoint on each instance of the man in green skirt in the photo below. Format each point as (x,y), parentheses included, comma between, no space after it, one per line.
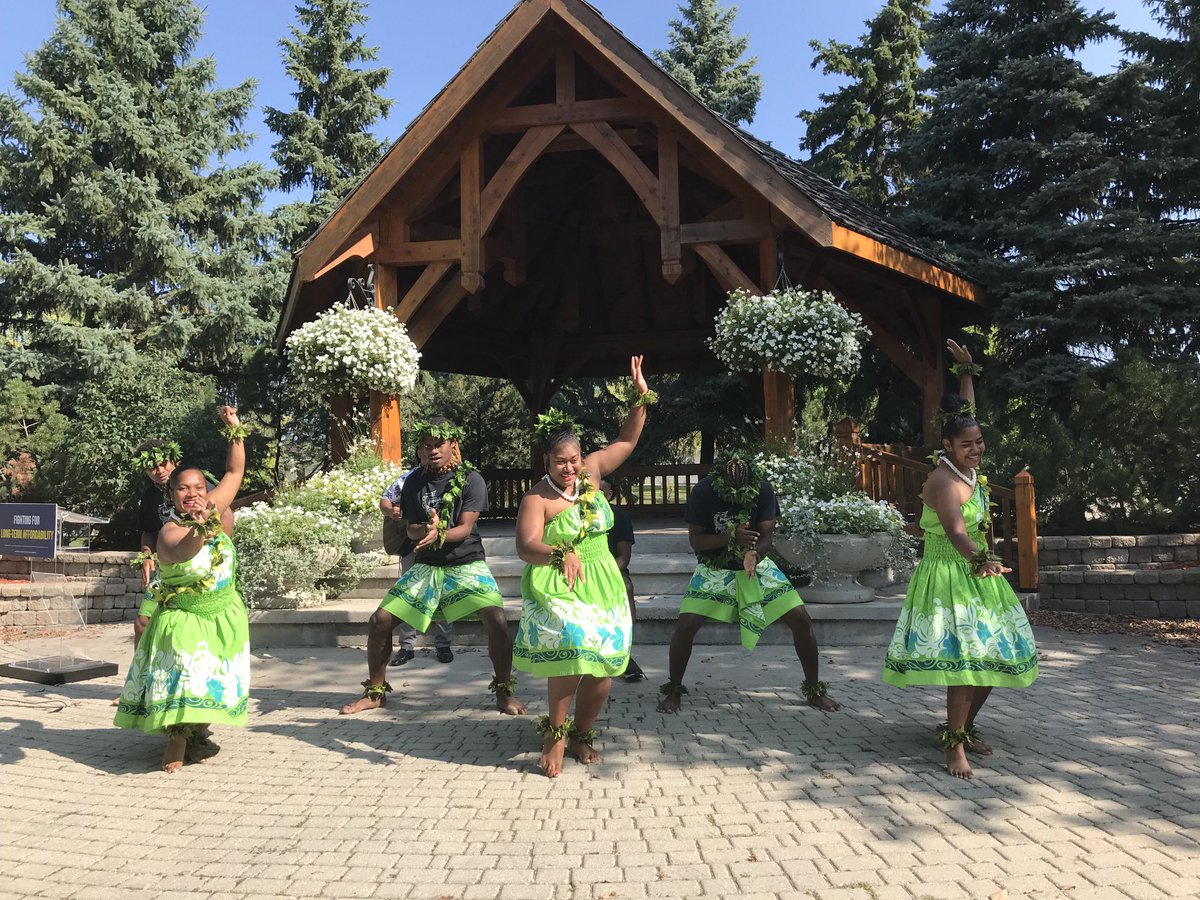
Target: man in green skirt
(731,516)
(449,578)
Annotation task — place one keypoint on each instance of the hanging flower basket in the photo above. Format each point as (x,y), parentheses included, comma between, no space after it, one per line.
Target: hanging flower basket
(799,333)
(351,351)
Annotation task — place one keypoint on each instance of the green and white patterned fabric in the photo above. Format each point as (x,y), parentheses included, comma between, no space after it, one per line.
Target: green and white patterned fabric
(728,595)
(586,631)
(425,593)
(192,664)
(955,629)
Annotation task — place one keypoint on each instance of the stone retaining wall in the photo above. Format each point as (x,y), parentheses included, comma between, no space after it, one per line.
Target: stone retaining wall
(1154,575)
(100,587)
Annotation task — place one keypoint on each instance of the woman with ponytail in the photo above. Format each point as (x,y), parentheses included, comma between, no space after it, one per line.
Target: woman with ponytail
(575,625)
(962,625)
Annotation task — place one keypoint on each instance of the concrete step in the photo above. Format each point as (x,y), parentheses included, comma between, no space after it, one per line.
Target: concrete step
(651,541)
(343,623)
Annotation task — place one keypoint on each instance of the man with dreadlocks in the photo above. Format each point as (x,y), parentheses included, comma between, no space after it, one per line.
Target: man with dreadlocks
(731,516)
(449,578)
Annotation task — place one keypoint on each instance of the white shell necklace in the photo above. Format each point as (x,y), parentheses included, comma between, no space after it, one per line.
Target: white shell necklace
(570,498)
(970,480)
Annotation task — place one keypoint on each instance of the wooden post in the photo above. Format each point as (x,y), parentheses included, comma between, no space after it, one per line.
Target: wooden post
(779,391)
(385,427)
(471,215)
(1027,549)
(339,428)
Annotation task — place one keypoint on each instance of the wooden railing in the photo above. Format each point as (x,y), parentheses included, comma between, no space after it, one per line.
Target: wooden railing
(896,474)
(643,490)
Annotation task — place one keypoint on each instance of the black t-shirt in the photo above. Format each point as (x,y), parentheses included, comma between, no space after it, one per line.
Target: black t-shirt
(423,492)
(622,530)
(705,508)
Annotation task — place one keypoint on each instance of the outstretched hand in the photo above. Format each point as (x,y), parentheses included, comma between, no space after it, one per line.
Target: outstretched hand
(229,415)
(960,353)
(635,372)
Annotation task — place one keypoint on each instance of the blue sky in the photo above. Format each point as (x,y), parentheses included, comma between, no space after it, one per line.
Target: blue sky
(425,43)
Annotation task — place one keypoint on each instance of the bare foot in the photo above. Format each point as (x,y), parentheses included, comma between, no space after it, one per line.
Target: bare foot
(584,752)
(116,702)
(826,703)
(956,763)
(173,757)
(362,704)
(670,703)
(201,749)
(552,756)
(508,704)
(977,746)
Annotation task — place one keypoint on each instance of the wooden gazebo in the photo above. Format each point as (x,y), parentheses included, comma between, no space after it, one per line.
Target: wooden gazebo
(563,202)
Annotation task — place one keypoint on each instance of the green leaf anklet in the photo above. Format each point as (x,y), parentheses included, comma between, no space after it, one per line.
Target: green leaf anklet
(672,689)
(509,687)
(952,737)
(814,690)
(584,737)
(376,691)
(556,732)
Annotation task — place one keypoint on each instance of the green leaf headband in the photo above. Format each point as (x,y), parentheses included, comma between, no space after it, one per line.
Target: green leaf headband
(443,431)
(551,421)
(941,416)
(155,456)
(721,462)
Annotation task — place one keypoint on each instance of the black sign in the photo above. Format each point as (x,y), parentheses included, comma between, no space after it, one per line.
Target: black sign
(28,529)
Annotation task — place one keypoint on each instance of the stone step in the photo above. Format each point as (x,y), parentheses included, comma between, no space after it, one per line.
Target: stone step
(343,623)
(651,541)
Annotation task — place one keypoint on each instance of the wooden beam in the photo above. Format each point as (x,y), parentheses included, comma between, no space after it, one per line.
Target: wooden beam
(573,143)
(434,311)
(564,76)
(779,390)
(421,289)
(644,183)
(735,231)
(360,246)
(899,261)
(416,253)
(471,210)
(531,146)
(668,194)
(728,273)
(518,118)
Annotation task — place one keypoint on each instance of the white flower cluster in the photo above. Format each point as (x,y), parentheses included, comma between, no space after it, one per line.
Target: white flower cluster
(800,333)
(347,350)
(348,491)
(289,524)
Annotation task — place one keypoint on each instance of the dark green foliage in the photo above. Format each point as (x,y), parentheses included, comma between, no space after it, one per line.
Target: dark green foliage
(706,57)
(325,143)
(854,139)
(489,410)
(122,230)
(32,431)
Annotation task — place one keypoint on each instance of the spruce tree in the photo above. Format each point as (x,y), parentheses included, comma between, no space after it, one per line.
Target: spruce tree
(325,143)
(854,139)
(706,57)
(1017,162)
(123,231)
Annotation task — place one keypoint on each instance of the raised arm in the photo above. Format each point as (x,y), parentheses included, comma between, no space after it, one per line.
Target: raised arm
(609,459)
(235,461)
(966,367)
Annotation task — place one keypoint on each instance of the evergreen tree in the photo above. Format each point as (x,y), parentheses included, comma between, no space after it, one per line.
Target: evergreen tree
(325,143)
(122,229)
(704,57)
(854,139)
(1017,164)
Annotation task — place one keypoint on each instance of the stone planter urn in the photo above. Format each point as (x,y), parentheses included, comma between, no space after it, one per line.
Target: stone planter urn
(368,534)
(835,564)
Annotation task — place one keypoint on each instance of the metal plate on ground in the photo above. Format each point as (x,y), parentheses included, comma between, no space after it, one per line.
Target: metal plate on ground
(57,669)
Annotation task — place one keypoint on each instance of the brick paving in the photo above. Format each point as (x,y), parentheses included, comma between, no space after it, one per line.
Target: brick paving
(1094,791)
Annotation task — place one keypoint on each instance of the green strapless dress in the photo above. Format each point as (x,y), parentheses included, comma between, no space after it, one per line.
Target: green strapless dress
(586,631)
(956,629)
(192,665)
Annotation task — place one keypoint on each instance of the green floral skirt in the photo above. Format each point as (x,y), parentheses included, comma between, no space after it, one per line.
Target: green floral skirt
(425,593)
(728,595)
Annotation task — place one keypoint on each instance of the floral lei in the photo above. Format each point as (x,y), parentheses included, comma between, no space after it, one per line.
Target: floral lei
(454,490)
(585,495)
(209,529)
(743,499)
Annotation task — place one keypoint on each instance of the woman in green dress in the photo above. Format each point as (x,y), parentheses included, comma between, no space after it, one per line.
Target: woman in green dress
(961,626)
(191,668)
(575,627)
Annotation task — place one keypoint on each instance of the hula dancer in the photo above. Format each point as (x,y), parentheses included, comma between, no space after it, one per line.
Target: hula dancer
(731,515)
(962,626)
(575,624)
(191,667)
(449,578)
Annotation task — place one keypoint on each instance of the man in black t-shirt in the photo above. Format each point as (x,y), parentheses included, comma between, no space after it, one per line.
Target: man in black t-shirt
(449,577)
(731,516)
(620,545)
